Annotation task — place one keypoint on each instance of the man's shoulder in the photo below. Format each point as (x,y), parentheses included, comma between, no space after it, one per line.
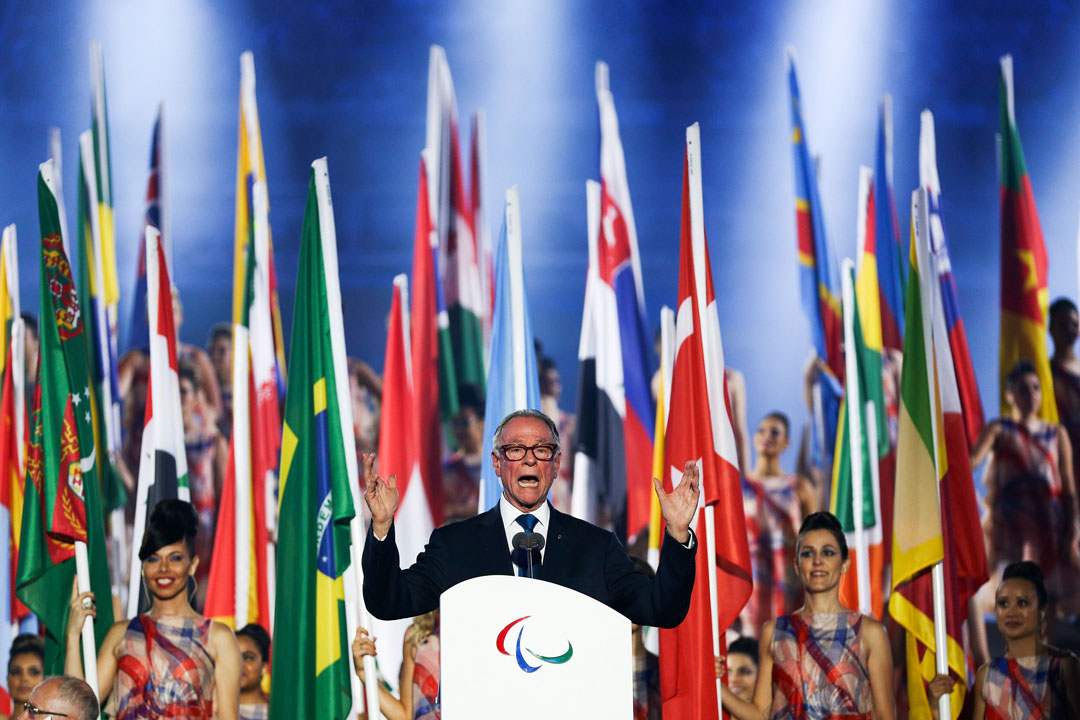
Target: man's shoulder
(579,528)
(468,526)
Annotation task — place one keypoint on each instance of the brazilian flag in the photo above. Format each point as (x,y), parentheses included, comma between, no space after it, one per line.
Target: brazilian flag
(311,657)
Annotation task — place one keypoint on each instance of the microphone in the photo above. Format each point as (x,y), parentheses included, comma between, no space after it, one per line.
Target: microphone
(527,543)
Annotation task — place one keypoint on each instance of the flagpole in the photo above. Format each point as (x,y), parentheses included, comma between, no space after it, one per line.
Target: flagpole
(927,275)
(853,404)
(517,298)
(357,532)
(89,647)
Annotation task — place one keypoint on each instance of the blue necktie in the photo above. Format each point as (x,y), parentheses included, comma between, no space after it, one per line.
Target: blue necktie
(528,522)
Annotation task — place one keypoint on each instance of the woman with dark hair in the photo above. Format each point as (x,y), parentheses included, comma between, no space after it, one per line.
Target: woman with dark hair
(823,660)
(171,662)
(1033,679)
(26,668)
(1030,492)
(254,644)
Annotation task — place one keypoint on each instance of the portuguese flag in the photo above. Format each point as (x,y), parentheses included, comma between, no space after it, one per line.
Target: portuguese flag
(62,504)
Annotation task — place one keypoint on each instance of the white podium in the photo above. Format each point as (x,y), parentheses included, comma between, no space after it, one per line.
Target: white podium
(519,648)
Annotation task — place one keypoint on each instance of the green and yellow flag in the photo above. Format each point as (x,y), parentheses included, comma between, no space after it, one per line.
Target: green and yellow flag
(311,668)
(62,504)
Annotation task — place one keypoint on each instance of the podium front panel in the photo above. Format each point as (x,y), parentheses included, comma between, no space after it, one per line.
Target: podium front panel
(519,648)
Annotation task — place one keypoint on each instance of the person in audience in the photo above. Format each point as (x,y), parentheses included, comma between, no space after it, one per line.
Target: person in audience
(774,503)
(254,644)
(647,702)
(26,668)
(550,392)
(30,351)
(365,386)
(207,456)
(418,679)
(1030,490)
(62,697)
(823,660)
(171,662)
(219,347)
(1032,679)
(742,665)
(461,472)
(1065,368)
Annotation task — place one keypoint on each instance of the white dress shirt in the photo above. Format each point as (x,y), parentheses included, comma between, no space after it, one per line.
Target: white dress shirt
(510,514)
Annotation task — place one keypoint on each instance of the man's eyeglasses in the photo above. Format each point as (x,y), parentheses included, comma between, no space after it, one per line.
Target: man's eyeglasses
(34,711)
(542,453)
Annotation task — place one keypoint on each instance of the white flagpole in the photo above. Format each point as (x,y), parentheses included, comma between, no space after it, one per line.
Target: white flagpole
(853,403)
(697,232)
(357,531)
(517,297)
(89,648)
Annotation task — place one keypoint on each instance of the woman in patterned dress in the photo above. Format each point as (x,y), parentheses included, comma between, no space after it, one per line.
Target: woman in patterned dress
(171,662)
(822,661)
(254,644)
(1031,494)
(1033,680)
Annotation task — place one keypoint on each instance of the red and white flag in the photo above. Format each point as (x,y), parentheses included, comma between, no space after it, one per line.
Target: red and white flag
(700,429)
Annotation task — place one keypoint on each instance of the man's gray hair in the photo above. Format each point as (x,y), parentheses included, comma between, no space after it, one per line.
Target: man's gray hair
(535,415)
(75,693)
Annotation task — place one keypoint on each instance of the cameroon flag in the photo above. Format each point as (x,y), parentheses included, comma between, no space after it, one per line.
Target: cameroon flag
(62,505)
(311,657)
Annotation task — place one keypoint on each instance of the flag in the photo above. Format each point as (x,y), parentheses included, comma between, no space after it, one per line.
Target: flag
(311,670)
(512,382)
(889,247)
(700,429)
(939,248)
(240,587)
(156,217)
(861,588)
(163,471)
(105,394)
(425,338)
(62,505)
(819,278)
(656,520)
(12,451)
(454,224)
(619,485)
(1024,296)
(251,168)
(933,481)
(477,174)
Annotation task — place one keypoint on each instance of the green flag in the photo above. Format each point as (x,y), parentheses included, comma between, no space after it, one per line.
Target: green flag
(62,504)
(311,670)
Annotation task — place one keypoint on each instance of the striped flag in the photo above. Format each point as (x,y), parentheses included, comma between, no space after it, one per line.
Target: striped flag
(616,444)
(157,218)
(163,471)
(1024,296)
(818,271)
(452,208)
(933,481)
(251,168)
(856,493)
(700,429)
(12,451)
(427,343)
(62,506)
(939,248)
(311,669)
(889,249)
(241,583)
(513,383)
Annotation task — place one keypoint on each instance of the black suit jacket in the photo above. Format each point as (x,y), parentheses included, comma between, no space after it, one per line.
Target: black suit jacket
(579,556)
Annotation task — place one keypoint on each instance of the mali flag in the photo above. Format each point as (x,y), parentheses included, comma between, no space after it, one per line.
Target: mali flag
(62,505)
(1024,295)
(311,670)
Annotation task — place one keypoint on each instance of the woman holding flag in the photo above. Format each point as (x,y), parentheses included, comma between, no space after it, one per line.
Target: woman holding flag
(171,662)
(823,660)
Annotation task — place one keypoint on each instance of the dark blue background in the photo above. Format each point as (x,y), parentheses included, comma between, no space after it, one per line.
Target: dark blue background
(348,80)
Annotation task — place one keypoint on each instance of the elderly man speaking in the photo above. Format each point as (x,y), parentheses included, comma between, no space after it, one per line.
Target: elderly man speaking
(575,554)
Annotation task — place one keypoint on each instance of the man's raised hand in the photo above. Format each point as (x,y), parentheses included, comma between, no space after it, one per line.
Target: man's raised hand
(680,505)
(381,497)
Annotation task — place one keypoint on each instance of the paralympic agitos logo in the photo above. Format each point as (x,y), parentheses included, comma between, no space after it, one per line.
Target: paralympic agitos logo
(500,645)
